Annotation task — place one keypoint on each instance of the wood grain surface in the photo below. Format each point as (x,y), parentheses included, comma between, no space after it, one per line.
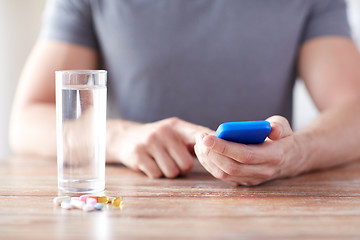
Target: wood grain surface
(318,205)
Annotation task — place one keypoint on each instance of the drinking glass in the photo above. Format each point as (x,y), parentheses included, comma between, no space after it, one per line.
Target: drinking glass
(81,129)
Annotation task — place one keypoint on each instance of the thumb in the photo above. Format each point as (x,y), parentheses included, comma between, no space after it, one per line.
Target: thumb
(280,127)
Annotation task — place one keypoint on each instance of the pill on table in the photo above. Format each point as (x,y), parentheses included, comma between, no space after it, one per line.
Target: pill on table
(76,203)
(66,204)
(117,201)
(91,201)
(99,206)
(84,197)
(57,200)
(103,199)
(88,208)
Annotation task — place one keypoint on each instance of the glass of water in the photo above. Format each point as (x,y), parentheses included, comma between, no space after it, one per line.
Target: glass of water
(81,129)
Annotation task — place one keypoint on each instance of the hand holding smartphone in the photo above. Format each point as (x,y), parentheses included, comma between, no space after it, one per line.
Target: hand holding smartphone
(247,132)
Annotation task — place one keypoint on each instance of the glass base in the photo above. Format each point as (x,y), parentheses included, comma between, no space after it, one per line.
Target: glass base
(82,186)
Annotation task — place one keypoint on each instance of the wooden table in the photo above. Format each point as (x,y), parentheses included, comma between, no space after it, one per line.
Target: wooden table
(320,205)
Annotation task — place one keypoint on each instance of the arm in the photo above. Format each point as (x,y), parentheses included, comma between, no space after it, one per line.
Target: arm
(159,148)
(33,118)
(330,69)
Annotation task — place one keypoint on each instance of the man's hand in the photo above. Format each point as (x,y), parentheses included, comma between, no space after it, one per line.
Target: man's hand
(162,148)
(278,156)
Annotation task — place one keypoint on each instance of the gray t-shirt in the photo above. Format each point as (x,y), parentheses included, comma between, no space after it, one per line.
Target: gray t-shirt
(205,61)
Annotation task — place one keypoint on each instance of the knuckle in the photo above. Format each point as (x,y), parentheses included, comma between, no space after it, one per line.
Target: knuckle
(275,161)
(279,119)
(151,139)
(223,149)
(162,131)
(284,121)
(231,169)
(248,156)
(173,121)
(276,158)
(138,150)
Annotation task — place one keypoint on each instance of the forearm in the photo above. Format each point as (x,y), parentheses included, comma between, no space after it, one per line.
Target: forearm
(33,130)
(332,138)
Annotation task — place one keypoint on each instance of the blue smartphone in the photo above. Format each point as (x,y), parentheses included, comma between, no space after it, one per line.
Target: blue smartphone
(247,132)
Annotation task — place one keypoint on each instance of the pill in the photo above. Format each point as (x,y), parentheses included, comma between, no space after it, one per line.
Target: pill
(83,197)
(117,201)
(76,203)
(91,201)
(66,204)
(57,200)
(88,208)
(103,199)
(99,206)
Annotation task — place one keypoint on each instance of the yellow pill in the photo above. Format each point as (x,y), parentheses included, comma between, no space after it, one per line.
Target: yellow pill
(103,199)
(117,201)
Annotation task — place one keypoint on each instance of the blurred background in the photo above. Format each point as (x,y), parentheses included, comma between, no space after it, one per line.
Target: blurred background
(20,22)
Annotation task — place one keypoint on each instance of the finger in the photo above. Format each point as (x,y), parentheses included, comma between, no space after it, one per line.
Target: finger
(143,162)
(163,160)
(179,152)
(188,131)
(280,127)
(166,164)
(229,170)
(246,154)
(208,165)
(200,158)
(238,170)
(149,167)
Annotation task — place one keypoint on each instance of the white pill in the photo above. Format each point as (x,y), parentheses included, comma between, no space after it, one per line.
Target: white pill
(88,208)
(57,200)
(66,205)
(77,203)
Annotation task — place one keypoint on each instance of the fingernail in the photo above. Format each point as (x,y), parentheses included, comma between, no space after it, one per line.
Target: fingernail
(209,142)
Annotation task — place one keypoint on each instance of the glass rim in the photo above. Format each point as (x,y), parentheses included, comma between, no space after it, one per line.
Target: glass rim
(82,71)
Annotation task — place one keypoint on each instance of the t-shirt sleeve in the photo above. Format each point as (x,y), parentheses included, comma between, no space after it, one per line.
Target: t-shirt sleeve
(327,17)
(69,21)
